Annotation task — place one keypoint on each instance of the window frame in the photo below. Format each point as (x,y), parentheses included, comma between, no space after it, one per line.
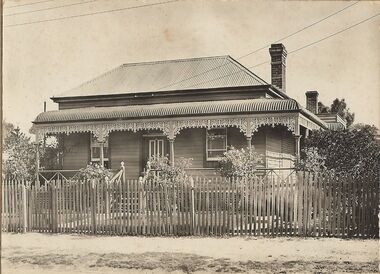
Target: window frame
(158,144)
(93,144)
(214,159)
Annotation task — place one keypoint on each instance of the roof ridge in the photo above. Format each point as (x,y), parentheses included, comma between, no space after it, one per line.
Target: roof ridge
(176,60)
(246,70)
(93,79)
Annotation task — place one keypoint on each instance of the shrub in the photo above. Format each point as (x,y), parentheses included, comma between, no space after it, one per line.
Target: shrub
(94,171)
(237,163)
(313,161)
(354,152)
(160,167)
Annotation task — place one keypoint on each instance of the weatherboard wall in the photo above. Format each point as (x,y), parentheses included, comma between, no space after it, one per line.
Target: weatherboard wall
(275,145)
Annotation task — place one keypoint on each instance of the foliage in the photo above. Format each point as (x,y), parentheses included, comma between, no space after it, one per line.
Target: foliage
(338,106)
(239,162)
(313,161)
(94,171)
(159,166)
(353,151)
(51,153)
(18,154)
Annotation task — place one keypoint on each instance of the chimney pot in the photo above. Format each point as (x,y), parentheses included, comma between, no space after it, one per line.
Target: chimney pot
(312,101)
(278,55)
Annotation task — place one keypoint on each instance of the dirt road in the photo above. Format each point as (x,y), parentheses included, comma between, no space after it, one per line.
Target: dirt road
(44,253)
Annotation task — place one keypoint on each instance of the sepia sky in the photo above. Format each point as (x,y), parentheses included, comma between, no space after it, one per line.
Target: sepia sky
(48,58)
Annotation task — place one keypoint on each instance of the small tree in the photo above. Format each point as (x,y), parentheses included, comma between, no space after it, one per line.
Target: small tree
(19,161)
(238,163)
(338,106)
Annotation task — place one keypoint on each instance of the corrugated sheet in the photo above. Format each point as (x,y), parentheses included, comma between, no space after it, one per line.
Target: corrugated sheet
(335,126)
(196,73)
(172,109)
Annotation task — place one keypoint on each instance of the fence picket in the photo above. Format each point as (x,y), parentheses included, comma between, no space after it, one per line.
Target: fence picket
(11,206)
(158,207)
(339,208)
(3,212)
(197,200)
(186,208)
(204,207)
(272,205)
(365,211)
(345,215)
(6,216)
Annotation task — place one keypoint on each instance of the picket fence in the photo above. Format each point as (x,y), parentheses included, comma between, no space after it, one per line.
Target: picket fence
(302,204)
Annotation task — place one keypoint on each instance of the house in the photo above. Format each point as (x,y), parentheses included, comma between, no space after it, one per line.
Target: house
(194,108)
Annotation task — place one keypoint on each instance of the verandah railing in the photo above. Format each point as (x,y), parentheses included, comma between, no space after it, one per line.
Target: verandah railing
(302,204)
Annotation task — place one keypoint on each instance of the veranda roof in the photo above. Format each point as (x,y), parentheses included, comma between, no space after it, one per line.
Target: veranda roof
(169,75)
(175,109)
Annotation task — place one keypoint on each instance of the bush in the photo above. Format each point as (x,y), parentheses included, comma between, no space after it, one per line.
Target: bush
(19,154)
(313,161)
(353,152)
(94,171)
(238,163)
(160,167)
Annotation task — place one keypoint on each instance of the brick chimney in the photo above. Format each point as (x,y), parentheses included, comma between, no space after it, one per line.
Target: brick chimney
(278,57)
(312,101)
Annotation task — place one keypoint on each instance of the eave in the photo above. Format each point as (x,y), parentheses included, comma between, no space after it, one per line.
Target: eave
(271,90)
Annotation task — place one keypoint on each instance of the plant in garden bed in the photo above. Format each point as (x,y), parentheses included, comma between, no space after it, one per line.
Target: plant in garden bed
(313,161)
(161,169)
(164,175)
(239,163)
(94,171)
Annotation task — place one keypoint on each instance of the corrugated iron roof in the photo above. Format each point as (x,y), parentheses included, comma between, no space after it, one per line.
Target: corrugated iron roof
(170,109)
(335,126)
(181,74)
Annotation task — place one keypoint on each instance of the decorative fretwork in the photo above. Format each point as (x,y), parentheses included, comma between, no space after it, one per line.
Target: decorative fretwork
(287,121)
(247,125)
(303,121)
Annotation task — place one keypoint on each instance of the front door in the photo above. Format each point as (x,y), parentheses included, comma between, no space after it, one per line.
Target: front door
(153,147)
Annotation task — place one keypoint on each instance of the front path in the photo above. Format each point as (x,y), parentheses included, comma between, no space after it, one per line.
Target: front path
(55,253)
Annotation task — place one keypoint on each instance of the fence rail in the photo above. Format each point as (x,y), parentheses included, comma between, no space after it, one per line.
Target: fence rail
(300,205)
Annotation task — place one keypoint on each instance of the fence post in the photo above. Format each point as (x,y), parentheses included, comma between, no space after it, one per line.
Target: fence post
(93,205)
(107,186)
(122,166)
(37,163)
(141,205)
(192,205)
(51,205)
(24,207)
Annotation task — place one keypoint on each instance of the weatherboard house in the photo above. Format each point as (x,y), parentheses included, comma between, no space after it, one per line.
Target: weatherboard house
(194,108)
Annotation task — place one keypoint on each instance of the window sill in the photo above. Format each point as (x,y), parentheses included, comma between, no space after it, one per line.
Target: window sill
(213,159)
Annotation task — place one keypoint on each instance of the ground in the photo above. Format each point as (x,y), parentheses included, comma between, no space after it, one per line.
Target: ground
(57,253)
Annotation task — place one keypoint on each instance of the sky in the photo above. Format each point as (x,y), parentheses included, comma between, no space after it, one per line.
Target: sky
(48,58)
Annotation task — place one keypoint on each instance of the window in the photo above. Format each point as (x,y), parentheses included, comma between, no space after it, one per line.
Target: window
(216,143)
(156,148)
(95,151)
